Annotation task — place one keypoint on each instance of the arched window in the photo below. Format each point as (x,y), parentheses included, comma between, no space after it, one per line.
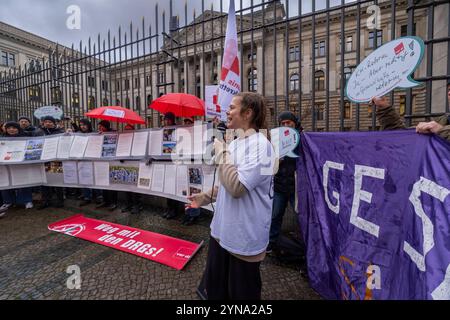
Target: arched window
(319,82)
(75,100)
(347,110)
(294,82)
(253,80)
(91,102)
(138,102)
(198,88)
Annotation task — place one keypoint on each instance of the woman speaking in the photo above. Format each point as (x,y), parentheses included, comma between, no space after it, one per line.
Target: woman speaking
(241,222)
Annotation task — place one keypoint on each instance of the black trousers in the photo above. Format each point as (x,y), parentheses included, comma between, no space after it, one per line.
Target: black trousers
(47,193)
(229,278)
(110,197)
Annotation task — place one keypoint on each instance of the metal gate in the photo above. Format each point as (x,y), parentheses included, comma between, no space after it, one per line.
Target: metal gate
(298,54)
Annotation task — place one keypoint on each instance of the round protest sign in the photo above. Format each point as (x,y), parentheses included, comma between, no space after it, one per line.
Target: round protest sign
(385,69)
(284,141)
(52,111)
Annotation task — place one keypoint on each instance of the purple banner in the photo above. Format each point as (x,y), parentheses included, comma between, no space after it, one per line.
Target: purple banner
(374,210)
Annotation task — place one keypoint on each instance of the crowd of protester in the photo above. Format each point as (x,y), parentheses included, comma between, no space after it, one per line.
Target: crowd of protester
(108,199)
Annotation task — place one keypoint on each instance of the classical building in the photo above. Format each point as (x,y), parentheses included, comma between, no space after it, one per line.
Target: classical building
(286,60)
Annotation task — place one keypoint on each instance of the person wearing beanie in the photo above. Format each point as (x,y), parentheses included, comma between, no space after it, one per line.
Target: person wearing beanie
(49,128)
(15,196)
(110,197)
(85,126)
(284,183)
(13,130)
(25,124)
(169,119)
(87,195)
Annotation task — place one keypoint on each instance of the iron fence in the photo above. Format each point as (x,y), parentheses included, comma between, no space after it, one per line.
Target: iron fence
(298,54)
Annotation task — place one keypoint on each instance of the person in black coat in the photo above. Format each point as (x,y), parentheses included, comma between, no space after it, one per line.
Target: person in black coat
(49,128)
(12,197)
(284,183)
(110,197)
(27,127)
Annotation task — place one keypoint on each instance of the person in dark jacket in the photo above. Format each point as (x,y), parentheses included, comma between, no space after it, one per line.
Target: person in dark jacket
(49,128)
(284,183)
(25,124)
(88,195)
(110,197)
(15,196)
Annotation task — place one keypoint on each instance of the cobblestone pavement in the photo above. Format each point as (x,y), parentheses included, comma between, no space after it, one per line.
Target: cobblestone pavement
(33,261)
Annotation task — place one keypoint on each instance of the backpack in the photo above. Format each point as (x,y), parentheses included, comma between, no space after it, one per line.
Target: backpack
(289,250)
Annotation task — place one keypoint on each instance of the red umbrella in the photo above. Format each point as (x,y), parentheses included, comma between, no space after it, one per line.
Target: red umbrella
(117,114)
(180,104)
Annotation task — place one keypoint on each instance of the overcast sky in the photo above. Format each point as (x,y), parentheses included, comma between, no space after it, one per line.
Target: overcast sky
(47,18)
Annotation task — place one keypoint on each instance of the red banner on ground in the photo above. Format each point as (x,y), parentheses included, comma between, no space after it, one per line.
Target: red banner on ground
(170,251)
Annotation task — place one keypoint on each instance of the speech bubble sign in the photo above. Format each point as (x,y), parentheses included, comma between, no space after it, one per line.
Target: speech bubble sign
(284,141)
(45,111)
(385,69)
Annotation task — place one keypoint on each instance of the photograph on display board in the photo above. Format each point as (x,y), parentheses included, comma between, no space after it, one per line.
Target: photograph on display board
(169,147)
(195,190)
(33,150)
(123,175)
(195,181)
(144,182)
(110,145)
(169,135)
(54,167)
(195,176)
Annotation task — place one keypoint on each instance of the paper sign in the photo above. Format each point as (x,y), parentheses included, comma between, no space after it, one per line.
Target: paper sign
(284,141)
(139,148)
(114,113)
(51,111)
(385,69)
(78,146)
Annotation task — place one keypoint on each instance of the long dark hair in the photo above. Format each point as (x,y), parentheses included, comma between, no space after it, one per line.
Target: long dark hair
(257,103)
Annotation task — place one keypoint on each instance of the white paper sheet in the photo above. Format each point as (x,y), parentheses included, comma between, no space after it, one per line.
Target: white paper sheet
(170,179)
(70,171)
(208,176)
(182,181)
(4,176)
(124,145)
(139,144)
(158,177)
(101,173)
(50,148)
(86,173)
(185,141)
(78,146)
(94,147)
(145,176)
(64,145)
(13,151)
(200,137)
(28,174)
(109,147)
(155,143)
